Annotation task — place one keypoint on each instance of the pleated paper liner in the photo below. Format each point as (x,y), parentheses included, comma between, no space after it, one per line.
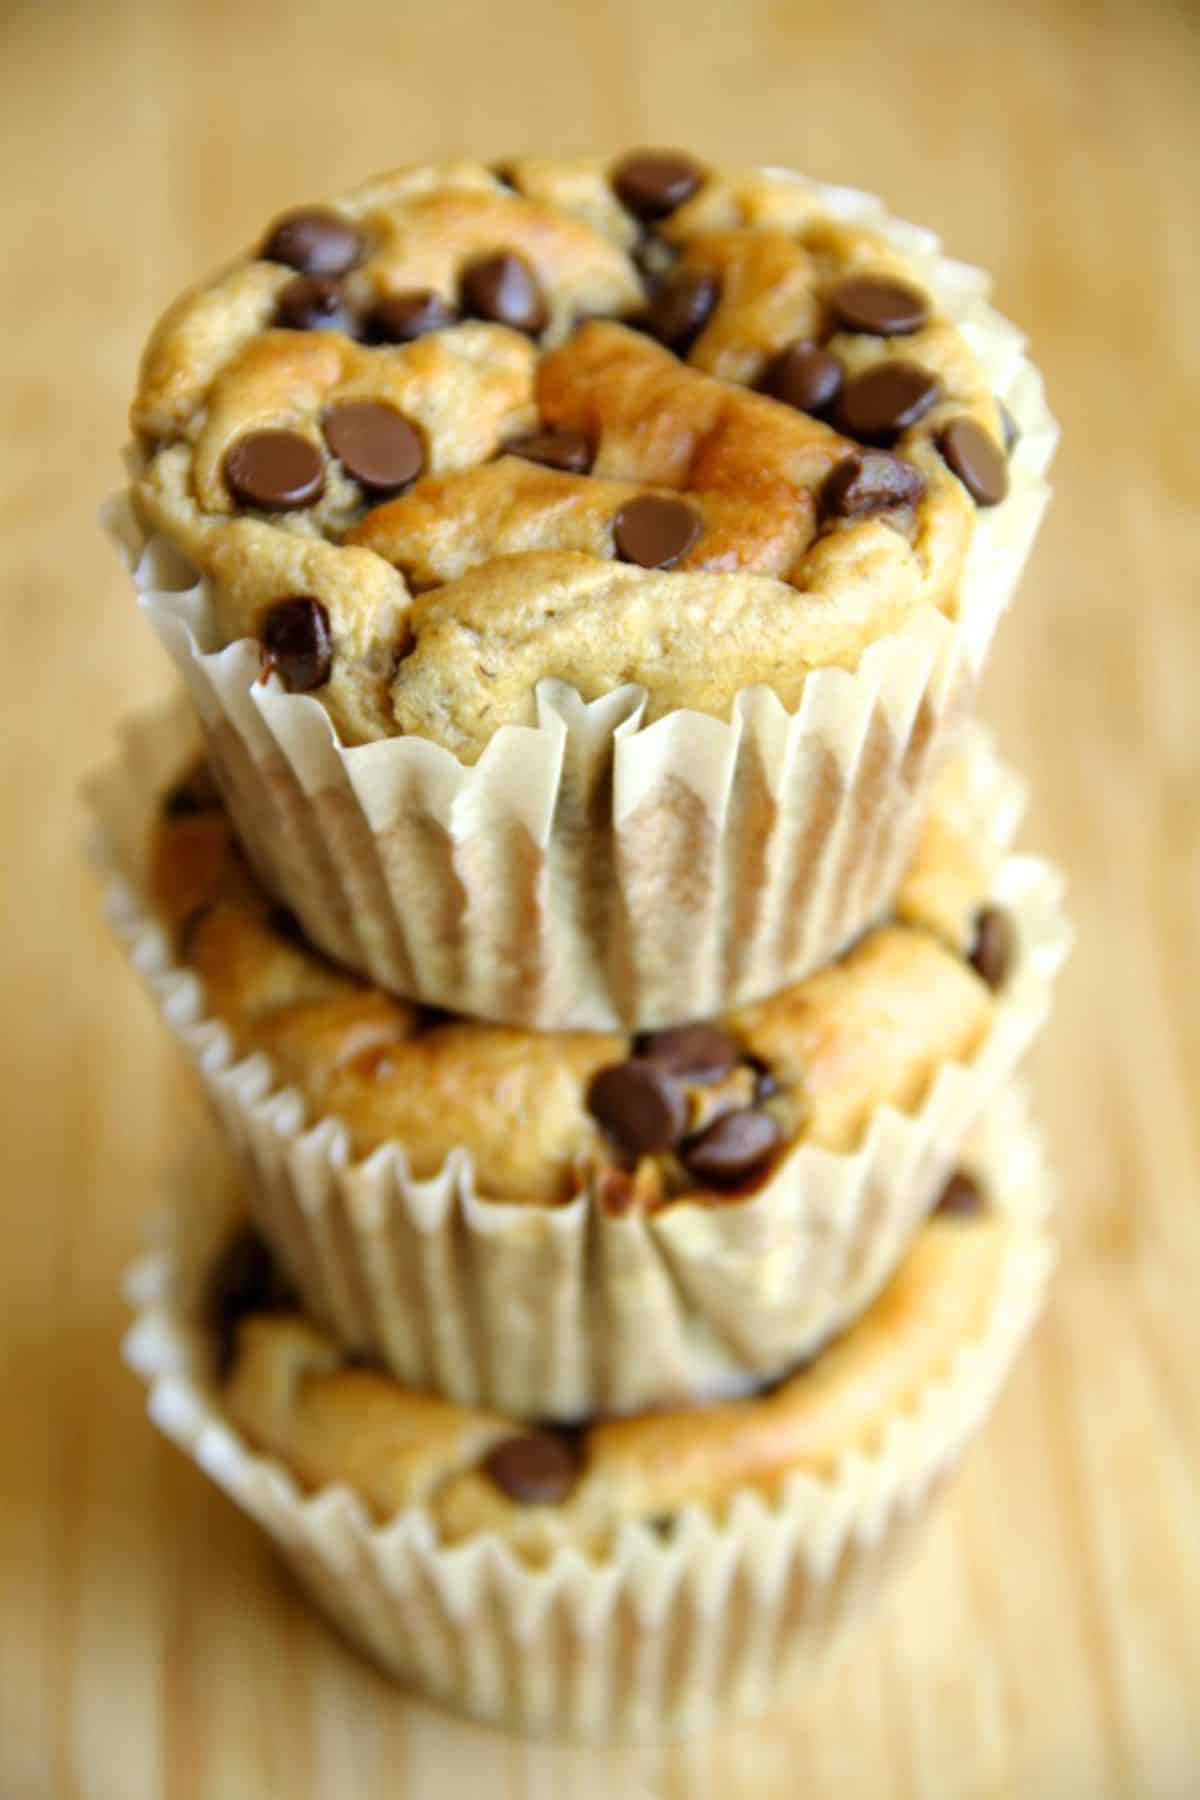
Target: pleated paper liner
(591,872)
(660,1635)
(558,1312)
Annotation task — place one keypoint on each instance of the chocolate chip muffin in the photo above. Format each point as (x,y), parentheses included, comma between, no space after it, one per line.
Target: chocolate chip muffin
(592,557)
(634,1577)
(639,421)
(707,1109)
(332,1420)
(561,1224)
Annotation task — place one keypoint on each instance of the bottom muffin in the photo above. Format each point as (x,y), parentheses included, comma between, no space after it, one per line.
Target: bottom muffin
(632,1578)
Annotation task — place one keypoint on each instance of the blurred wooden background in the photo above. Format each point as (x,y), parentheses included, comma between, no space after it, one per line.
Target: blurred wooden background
(1047,1641)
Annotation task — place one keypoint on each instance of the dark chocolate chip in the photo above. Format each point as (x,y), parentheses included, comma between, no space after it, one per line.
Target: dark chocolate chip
(962,1196)
(282,922)
(993,945)
(879,404)
(977,459)
(275,471)
(432,1018)
(296,643)
(682,308)
(505,174)
(735,1147)
(315,241)
(700,1053)
(505,289)
(653,183)
(399,318)
(639,1105)
(314,303)
(871,483)
(244,1279)
(183,803)
(196,793)
(375,444)
(654,531)
(1010,428)
(877,304)
(537,1469)
(557,449)
(803,376)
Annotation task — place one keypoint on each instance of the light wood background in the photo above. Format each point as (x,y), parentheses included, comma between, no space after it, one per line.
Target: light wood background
(1047,1640)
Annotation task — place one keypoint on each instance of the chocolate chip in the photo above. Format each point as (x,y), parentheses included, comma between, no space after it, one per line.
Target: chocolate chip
(736,1147)
(196,793)
(276,471)
(653,183)
(537,1469)
(557,449)
(244,1279)
(1010,428)
(183,803)
(993,945)
(682,308)
(871,483)
(314,303)
(315,241)
(639,1105)
(701,1053)
(296,643)
(879,404)
(976,459)
(375,444)
(961,1197)
(282,922)
(878,305)
(399,318)
(654,531)
(803,376)
(505,289)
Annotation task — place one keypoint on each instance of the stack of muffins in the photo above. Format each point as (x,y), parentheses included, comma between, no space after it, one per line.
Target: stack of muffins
(590,908)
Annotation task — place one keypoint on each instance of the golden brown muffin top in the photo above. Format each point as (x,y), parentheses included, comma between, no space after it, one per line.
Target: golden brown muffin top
(635,421)
(709,1109)
(331,1420)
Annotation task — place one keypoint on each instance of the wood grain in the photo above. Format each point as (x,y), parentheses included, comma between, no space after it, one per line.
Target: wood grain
(1047,1640)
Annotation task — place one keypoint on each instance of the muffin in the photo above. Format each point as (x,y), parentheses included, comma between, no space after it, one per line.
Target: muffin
(566,1223)
(632,1578)
(576,559)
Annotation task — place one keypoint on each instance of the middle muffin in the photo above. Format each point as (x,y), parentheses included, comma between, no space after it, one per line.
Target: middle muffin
(571,1223)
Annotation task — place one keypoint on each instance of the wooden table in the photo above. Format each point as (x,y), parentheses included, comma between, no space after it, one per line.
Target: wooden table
(1047,1640)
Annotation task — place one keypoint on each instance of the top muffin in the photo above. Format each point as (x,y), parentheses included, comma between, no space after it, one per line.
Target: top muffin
(632,422)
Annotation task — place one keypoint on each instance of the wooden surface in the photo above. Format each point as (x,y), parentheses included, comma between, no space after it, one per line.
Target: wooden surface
(1047,1640)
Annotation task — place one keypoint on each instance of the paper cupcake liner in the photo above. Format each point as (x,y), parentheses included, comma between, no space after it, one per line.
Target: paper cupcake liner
(589,872)
(662,1635)
(562,1312)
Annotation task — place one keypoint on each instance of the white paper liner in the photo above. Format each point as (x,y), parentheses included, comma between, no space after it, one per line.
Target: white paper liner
(589,873)
(562,1312)
(663,1636)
